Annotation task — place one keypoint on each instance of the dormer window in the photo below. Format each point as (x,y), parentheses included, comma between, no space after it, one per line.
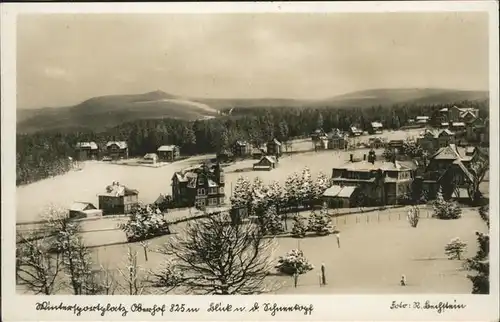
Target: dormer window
(221,179)
(201,181)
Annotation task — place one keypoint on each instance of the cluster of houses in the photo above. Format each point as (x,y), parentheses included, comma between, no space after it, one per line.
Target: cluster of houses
(370,182)
(114,200)
(268,154)
(334,140)
(117,150)
(201,186)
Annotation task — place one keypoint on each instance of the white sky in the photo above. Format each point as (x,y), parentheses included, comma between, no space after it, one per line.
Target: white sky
(65,59)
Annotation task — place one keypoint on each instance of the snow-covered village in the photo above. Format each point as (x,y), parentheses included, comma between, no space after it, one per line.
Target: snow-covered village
(197,164)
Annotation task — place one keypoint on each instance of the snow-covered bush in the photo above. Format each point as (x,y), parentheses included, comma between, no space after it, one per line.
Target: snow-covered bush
(413,216)
(294,262)
(145,222)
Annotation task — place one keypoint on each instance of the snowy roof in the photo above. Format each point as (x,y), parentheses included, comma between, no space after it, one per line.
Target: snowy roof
(376,124)
(462,193)
(464,170)
(80,206)
(422,118)
(355,129)
(446,131)
(449,152)
(212,183)
(117,190)
(241,143)
(444,124)
(269,158)
(88,145)
(165,148)
(120,144)
(339,191)
(470,149)
(346,192)
(458,124)
(150,156)
(443,110)
(258,150)
(377,165)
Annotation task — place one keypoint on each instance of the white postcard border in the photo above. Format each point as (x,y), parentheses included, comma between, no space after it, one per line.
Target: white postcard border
(325,307)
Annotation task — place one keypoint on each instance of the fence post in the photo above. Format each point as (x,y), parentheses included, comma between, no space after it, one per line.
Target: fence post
(323,274)
(378,215)
(389,216)
(345,220)
(399,216)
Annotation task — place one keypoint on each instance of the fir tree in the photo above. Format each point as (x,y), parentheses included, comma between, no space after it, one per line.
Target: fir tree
(322,183)
(479,265)
(455,248)
(273,223)
(320,222)
(299,228)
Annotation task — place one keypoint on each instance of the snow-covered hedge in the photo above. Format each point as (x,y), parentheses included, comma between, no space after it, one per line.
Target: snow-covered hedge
(145,222)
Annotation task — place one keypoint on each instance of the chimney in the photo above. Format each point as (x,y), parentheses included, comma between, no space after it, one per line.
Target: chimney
(351,157)
(364,157)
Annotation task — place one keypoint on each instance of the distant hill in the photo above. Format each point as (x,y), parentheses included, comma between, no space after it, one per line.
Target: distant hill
(384,97)
(107,111)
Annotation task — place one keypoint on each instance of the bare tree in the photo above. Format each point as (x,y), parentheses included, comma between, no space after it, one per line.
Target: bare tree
(134,282)
(36,268)
(217,257)
(65,240)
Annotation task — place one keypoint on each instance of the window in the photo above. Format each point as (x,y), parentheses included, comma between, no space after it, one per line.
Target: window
(221,190)
(222,200)
(212,201)
(221,180)
(201,181)
(201,192)
(212,191)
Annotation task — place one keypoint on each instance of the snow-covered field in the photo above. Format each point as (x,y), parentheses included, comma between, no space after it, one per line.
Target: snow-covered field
(373,255)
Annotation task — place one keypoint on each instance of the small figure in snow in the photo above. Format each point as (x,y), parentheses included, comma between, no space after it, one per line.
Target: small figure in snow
(403,280)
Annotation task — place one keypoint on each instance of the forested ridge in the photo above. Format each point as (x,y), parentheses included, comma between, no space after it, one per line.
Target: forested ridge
(45,154)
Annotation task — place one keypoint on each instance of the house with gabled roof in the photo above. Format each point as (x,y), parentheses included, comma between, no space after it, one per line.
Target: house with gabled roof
(380,182)
(117,150)
(445,138)
(199,187)
(241,149)
(375,128)
(267,162)
(86,151)
(355,131)
(168,153)
(448,166)
(339,196)
(80,209)
(337,140)
(150,158)
(118,199)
